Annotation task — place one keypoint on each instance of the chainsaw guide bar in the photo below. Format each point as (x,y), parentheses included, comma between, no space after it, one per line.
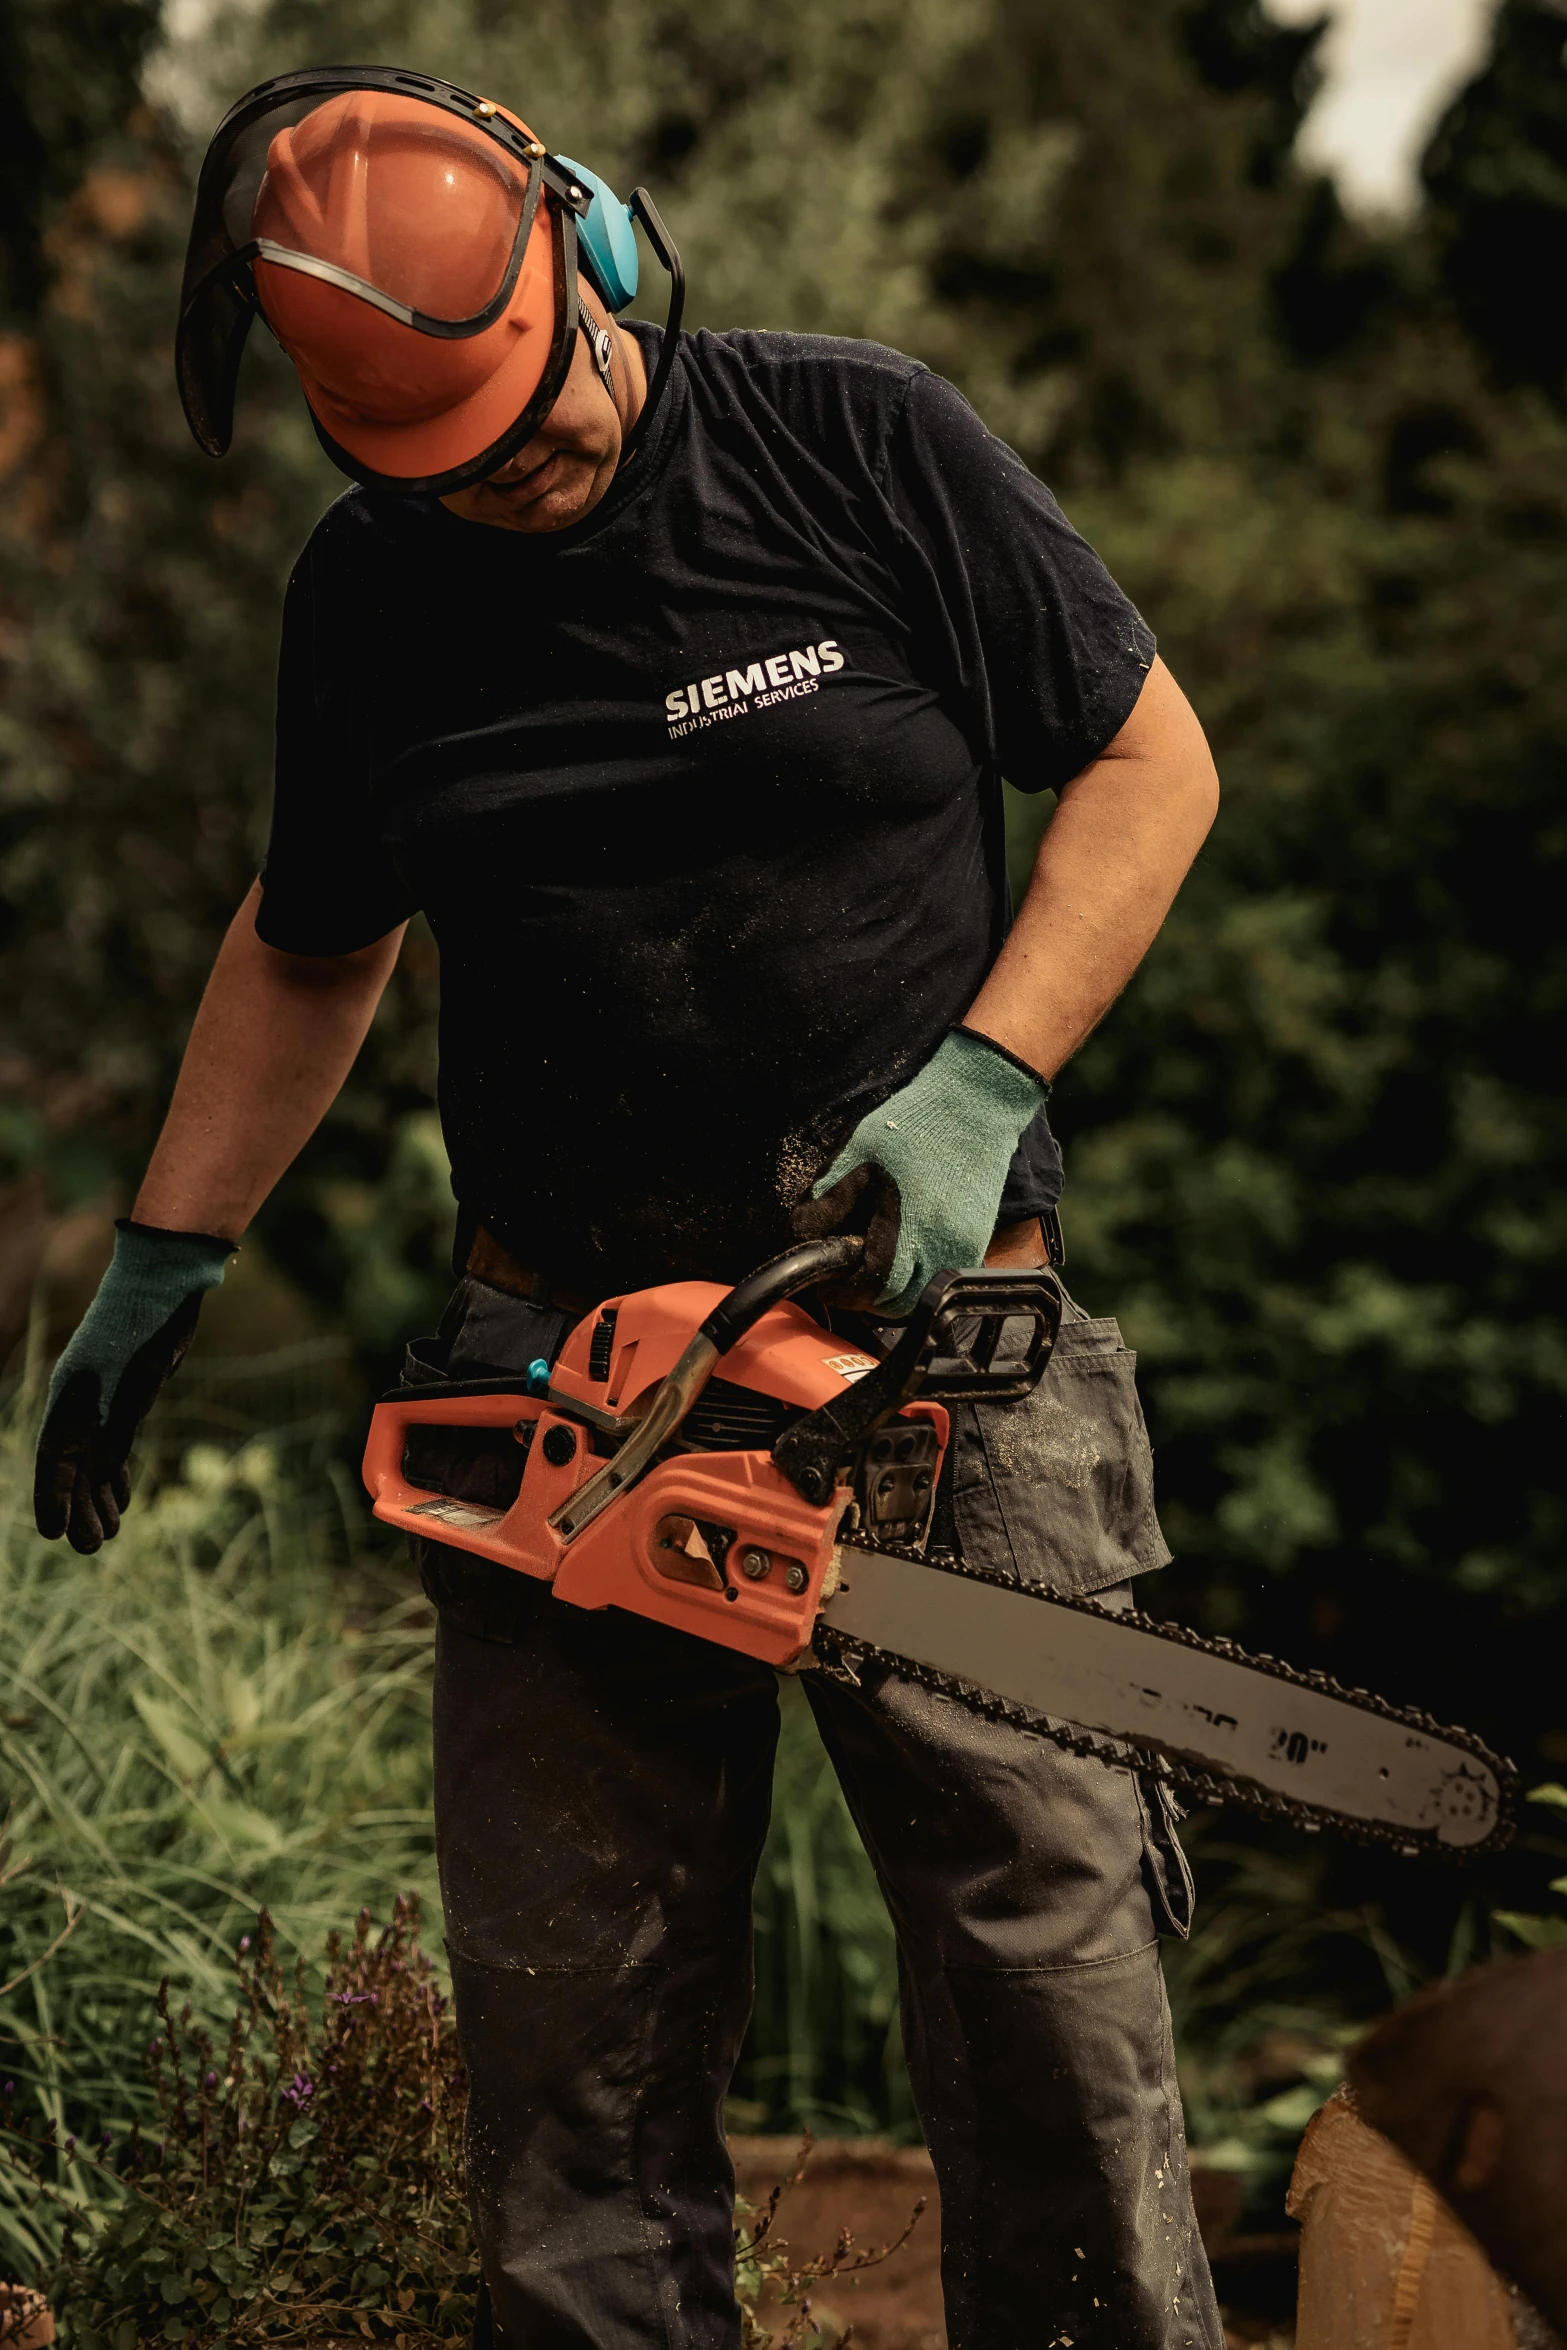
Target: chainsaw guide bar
(1129,1689)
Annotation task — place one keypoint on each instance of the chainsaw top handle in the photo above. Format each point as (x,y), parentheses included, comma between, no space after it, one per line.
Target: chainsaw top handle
(781,1278)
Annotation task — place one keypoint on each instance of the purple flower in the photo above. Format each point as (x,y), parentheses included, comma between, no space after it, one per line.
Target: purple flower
(9,2089)
(350,1998)
(211,2081)
(244,1941)
(70,2145)
(107,2139)
(299,2090)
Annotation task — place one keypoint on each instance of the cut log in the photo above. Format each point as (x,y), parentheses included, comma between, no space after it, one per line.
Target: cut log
(1469,2080)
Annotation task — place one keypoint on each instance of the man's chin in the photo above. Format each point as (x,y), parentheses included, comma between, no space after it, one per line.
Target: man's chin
(558,494)
(552,509)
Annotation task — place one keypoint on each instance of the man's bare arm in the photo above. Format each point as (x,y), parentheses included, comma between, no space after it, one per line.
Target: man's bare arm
(1113,856)
(272,1043)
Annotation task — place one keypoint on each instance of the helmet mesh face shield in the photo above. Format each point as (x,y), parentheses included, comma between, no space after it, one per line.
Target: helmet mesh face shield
(414,251)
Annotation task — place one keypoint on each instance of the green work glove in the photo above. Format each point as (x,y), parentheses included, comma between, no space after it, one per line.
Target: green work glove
(930,1165)
(131,1337)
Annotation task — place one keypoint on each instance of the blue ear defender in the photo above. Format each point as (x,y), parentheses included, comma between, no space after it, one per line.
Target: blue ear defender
(606,241)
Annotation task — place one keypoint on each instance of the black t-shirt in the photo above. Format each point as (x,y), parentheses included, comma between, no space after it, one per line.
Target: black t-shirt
(701,797)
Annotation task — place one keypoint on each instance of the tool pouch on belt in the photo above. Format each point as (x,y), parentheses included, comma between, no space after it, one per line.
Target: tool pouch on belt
(1057,1488)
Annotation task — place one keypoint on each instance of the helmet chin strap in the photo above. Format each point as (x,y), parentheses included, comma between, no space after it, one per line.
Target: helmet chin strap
(601,347)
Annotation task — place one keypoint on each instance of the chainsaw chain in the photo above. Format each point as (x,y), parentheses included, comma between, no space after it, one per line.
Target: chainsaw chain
(844,1656)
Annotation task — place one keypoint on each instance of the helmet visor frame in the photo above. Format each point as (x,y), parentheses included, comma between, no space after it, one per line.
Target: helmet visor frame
(219,297)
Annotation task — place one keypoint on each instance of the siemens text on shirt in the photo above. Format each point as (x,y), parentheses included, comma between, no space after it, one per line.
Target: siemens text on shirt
(785,673)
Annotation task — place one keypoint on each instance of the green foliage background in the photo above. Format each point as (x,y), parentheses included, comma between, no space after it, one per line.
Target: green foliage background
(1315,1157)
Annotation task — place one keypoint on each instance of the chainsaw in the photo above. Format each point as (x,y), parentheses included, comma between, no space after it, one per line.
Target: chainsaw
(786,1508)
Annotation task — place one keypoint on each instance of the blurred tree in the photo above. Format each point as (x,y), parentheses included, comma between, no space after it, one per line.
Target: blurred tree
(1335,1208)
(139,592)
(1334,1217)
(69,82)
(1496,177)
(1237,46)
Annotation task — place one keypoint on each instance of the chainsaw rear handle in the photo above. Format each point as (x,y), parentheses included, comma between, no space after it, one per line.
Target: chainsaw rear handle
(501,1403)
(474,1403)
(949,1353)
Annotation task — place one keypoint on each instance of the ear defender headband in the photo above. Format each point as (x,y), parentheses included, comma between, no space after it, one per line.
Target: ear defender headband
(415,250)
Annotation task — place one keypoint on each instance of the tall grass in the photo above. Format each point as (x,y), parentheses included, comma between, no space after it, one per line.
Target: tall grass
(226,1708)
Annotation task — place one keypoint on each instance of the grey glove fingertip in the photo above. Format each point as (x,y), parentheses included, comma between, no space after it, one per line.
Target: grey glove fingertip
(51,1505)
(898,1305)
(64,1446)
(85,1531)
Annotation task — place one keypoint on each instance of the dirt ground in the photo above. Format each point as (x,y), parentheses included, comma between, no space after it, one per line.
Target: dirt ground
(871,2188)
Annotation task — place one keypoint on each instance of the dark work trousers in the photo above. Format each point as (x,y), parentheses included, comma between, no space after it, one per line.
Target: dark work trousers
(602,1794)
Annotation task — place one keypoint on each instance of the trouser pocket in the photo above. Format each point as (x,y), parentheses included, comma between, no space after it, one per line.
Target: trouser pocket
(1057,1487)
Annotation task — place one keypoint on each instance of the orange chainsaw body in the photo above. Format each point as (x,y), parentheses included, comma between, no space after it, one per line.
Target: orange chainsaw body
(712,1541)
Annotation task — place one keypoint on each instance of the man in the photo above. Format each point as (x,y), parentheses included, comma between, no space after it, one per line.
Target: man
(683,719)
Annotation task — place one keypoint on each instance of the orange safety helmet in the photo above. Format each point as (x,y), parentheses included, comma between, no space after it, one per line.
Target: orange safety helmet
(414,250)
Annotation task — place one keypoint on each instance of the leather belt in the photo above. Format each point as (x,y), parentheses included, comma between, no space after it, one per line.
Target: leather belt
(490,1261)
